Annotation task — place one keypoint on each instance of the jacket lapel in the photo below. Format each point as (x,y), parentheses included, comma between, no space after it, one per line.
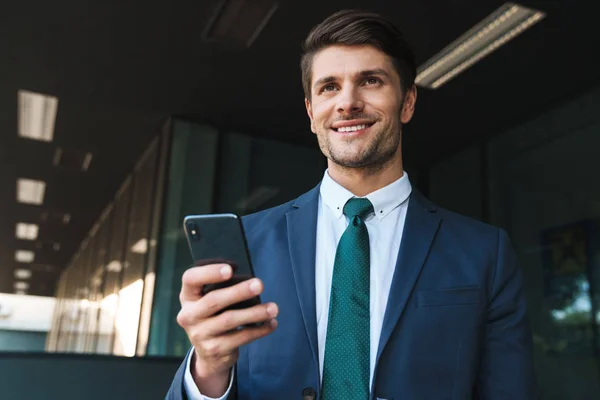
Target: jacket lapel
(420,228)
(302,233)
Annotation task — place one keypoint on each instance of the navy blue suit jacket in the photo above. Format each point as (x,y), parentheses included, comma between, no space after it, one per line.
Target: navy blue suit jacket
(455,326)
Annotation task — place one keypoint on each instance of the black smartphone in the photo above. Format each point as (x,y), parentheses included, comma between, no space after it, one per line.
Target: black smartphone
(216,239)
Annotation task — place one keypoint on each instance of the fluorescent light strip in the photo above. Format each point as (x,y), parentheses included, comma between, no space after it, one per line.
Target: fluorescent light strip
(498,28)
(486,51)
(22,273)
(24,256)
(30,191)
(468,41)
(37,115)
(27,231)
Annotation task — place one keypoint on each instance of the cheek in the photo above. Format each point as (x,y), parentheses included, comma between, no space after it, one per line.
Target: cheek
(388,105)
(320,113)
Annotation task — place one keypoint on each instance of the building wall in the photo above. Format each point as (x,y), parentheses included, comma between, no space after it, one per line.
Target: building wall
(75,377)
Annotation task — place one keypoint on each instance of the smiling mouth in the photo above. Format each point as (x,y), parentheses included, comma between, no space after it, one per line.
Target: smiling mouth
(354,128)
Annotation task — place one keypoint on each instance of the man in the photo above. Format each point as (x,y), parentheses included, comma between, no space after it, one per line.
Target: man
(369,290)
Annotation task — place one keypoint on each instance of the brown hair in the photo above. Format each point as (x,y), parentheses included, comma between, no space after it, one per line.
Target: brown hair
(355,27)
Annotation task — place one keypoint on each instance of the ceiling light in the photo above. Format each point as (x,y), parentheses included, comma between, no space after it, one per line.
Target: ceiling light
(140,247)
(22,273)
(24,256)
(503,25)
(30,191)
(27,231)
(66,218)
(56,246)
(114,266)
(21,285)
(86,161)
(37,115)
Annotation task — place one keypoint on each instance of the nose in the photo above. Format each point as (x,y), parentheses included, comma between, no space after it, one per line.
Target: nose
(349,101)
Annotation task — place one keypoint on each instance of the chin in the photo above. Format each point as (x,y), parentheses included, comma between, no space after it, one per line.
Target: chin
(356,161)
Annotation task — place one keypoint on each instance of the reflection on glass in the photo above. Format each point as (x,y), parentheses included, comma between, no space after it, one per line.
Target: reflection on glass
(108,310)
(568,255)
(127,321)
(578,306)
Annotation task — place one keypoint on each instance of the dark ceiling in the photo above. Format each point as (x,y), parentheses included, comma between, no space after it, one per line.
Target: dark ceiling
(120,68)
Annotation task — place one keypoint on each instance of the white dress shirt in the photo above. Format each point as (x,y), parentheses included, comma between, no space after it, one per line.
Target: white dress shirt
(385,228)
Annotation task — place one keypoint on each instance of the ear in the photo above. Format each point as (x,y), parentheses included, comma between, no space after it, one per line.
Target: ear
(310,115)
(408,108)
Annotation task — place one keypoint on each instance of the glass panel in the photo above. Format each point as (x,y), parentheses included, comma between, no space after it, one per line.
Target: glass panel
(61,309)
(237,173)
(95,280)
(70,312)
(138,244)
(190,183)
(114,267)
(151,258)
(455,183)
(53,334)
(82,293)
(542,180)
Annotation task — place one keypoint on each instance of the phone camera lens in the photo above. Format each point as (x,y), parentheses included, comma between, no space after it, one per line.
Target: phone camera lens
(193,229)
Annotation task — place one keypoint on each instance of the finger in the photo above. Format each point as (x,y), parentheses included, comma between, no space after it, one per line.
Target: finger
(217,300)
(225,345)
(233,319)
(195,278)
(247,335)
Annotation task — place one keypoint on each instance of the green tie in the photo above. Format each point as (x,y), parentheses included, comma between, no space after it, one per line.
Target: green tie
(347,346)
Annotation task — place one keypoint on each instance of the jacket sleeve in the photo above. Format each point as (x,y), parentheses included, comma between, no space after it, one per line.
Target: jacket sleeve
(506,368)
(178,391)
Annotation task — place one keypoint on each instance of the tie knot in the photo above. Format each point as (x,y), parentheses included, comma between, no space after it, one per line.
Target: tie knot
(356,207)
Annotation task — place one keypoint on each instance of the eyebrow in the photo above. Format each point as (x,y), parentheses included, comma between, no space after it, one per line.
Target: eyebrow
(361,74)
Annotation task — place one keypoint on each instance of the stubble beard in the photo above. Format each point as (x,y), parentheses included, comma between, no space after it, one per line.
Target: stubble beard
(372,159)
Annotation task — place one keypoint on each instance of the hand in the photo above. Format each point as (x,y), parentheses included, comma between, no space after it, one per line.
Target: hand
(215,336)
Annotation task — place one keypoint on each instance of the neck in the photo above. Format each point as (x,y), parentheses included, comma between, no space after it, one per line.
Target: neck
(362,181)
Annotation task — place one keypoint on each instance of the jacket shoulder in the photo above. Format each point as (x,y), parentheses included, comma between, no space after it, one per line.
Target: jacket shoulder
(265,218)
(455,221)
(470,230)
(271,216)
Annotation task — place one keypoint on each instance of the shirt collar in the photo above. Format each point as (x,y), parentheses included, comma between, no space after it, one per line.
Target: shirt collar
(384,200)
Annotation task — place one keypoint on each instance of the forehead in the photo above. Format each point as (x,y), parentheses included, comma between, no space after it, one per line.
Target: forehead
(340,61)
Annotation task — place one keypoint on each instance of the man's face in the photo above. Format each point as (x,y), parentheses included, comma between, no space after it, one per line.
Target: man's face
(357,107)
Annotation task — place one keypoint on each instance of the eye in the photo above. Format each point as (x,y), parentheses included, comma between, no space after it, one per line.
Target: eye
(328,88)
(372,81)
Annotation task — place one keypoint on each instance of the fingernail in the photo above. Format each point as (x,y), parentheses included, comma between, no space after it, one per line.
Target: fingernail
(225,271)
(272,310)
(255,286)
(274,323)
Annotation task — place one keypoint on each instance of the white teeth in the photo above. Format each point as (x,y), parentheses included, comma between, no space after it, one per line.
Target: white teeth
(351,128)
